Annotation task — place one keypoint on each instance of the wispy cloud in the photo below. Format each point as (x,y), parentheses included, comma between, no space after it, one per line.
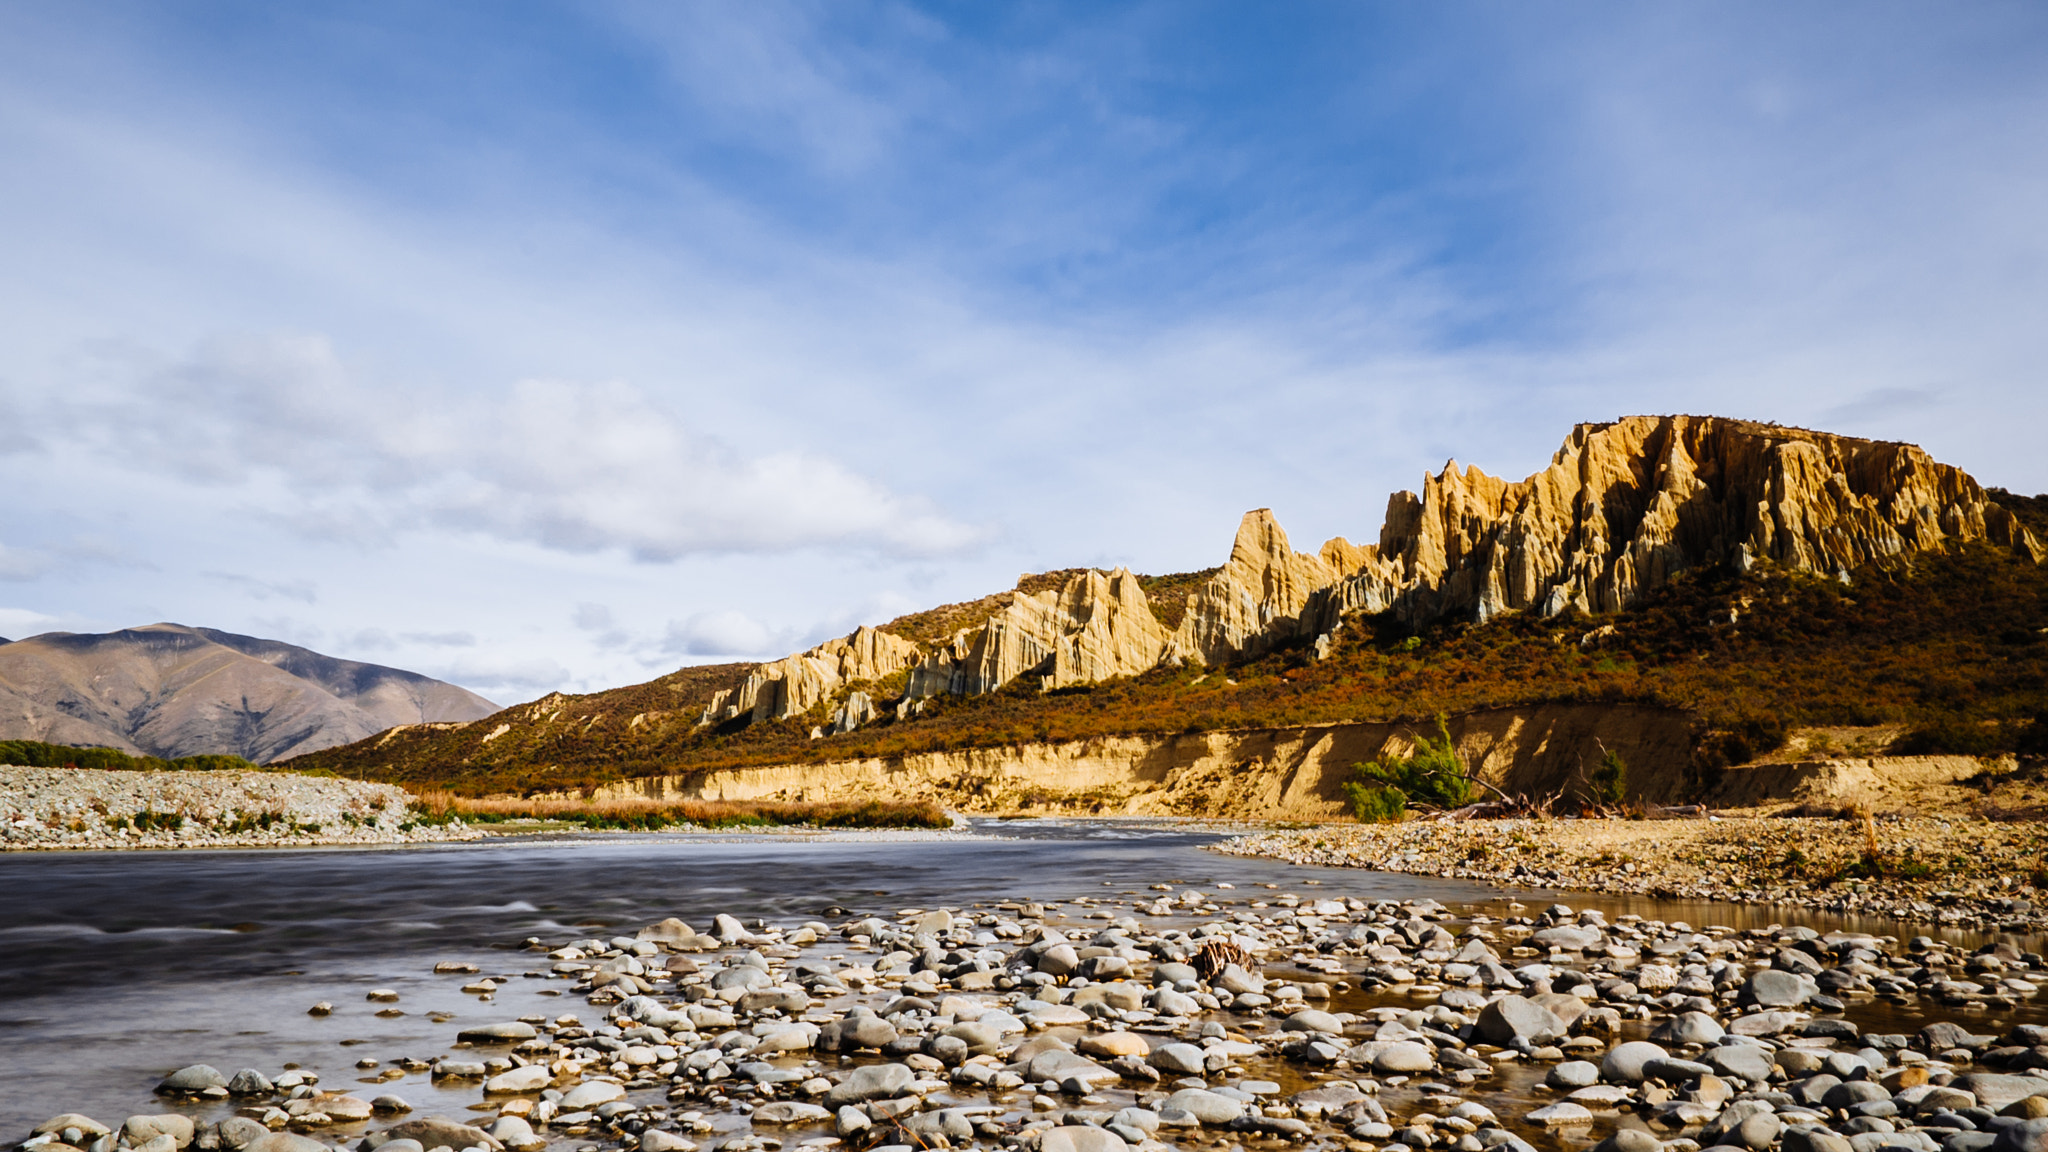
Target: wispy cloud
(302,591)
(573,467)
(23,563)
(17,621)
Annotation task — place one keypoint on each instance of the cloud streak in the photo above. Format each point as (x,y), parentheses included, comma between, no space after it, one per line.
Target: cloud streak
(573,467)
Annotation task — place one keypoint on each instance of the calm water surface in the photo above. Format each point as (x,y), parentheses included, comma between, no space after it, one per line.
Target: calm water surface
(117,967)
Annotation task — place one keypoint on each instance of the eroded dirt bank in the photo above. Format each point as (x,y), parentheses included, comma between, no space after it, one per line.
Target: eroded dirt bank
(1273,774)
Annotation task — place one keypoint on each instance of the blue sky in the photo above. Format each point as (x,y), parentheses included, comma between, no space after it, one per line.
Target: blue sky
(553,346)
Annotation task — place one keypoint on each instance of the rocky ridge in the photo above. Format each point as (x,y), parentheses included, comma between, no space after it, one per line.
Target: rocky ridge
(1622,509)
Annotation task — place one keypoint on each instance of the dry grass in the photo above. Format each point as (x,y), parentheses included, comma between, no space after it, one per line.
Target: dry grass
(658,814)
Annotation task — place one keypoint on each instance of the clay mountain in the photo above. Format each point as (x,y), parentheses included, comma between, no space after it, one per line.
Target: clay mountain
(1699,593)
(170,691)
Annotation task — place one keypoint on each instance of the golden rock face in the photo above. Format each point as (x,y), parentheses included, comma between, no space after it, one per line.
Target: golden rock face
(1623,508)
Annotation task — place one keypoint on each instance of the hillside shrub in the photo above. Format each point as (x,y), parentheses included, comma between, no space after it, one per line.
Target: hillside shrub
(1431,776)
(1952,736)
(1608,782)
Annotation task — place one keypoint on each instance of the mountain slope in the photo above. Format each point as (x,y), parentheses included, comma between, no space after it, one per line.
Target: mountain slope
(1747,573)
(169,691)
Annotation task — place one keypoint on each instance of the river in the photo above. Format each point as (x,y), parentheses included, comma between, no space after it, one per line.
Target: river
(117,967)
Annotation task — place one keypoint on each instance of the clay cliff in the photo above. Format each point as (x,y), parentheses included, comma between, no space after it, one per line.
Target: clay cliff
(1625,507)
(1622,509)
(170,691)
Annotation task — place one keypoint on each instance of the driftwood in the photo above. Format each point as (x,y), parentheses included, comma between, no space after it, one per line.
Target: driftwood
(1525,807)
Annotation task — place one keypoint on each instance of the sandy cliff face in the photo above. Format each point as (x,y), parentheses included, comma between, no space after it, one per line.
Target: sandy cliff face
(1625,507)
(1622,509)
(1257,599)
(792,685)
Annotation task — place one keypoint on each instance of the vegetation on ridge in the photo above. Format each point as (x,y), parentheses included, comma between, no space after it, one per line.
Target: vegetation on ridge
(36,754)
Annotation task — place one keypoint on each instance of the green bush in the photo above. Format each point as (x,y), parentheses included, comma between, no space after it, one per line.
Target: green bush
(1377,804)
(1609,779)
(36,754)
(1431,776)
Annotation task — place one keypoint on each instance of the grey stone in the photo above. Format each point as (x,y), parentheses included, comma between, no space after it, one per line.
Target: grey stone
(1773,988)
(250,1082)
(740,976)
(871,1082)
(1563,1114)
(656,1140)
(1059,960)
(586,1095)
(1855,1092)
(1313,1020)
(1185,1059)
(980,1039)
(1573,1074)
(1689,1028)
(1080,1138)
(515,1133)
(293,1142)
(238,1132)
(1205,1106)
(2026,1136)
(950,1123)
(1629,1140)
(1995,1090)
(1672,1070)
(141,1129)
(1403,1056)
(1739,1060)
(1625,1063)
(1814,1140)
(192,1078)
(436,1131)
(1058,1064)
(509,1032)
(790,1112)
(1512,1018)
(1568,937)
(1759,1131)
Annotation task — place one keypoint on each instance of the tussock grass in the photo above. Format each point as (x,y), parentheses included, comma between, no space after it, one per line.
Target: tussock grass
(654,815)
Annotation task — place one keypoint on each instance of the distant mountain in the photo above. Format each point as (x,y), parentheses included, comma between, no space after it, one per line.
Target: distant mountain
(169,691)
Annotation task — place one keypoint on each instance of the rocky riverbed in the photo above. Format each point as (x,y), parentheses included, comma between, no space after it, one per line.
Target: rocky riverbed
(1959,871)
(70,808)
(1181,1019)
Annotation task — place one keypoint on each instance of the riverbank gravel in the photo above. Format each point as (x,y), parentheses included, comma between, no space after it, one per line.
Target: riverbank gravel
(72,808)
(1183,1019)
(1950,872)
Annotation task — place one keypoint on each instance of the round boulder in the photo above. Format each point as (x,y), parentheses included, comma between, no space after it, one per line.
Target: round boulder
(1625,1064)
(192,1078)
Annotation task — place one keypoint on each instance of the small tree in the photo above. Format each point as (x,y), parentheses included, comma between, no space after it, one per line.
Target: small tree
(1432,776)
(1609,779)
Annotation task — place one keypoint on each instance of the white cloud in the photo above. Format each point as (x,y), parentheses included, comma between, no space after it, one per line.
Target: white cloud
(572,467)
(22,563)
(442,639)
(509,679)
(302,591)
(18,621)
(723,633)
